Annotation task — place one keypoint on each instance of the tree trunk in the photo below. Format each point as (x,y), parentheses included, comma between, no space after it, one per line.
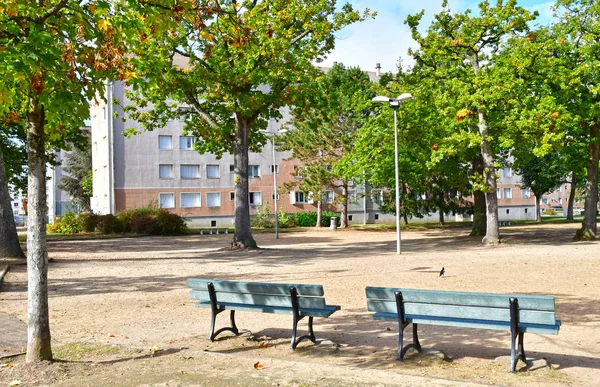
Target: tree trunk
(344,214)
(242,237)
(9,240)
(441,217)
(492,234)
(571,196)
(538,209)
(38,327)
(319,214)
(479,217)
(588,229)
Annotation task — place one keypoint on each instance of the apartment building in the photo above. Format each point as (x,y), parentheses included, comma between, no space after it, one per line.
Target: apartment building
(514,201)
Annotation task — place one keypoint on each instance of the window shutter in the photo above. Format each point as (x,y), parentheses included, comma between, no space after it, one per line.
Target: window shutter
(293,197)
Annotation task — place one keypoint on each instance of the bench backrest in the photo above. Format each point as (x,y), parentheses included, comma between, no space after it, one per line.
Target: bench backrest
(463,305)
(258,293)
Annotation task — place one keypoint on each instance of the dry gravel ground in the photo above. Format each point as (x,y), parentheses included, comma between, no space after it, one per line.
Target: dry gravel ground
(121,314)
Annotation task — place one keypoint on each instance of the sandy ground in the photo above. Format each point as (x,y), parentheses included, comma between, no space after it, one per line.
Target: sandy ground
(131,293)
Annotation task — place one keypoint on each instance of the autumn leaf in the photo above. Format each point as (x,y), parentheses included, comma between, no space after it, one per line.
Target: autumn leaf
(555,115)
(6,365)
(263,345)
(258,366)
(154,350)
(103,25)
(462,114)
(111,335)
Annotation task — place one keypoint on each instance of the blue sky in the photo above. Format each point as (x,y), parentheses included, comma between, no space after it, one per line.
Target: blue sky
(386,39)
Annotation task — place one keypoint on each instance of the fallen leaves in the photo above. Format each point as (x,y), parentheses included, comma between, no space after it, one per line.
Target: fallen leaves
(154,350)
(6,365)
(263,345)
(258,366)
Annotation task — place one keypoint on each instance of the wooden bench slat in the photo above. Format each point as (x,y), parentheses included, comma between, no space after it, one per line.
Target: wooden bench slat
(325,312)
(465,323)
(255,287)
(542,303)
(260,299)
(463,312)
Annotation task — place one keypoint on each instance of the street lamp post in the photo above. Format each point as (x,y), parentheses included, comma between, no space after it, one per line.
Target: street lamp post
(395,104)
(275,169)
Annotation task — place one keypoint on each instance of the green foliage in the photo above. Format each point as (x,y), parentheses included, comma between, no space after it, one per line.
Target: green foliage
(168,223)
(285,219)
(88,222)
(309,218)
(263,217)
(68,224)
(88,184)
(78,168)
(142,224)
(109,224)
(132,223)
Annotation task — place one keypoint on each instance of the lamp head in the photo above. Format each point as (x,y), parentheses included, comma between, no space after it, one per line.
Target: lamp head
(381,99)
(405,97)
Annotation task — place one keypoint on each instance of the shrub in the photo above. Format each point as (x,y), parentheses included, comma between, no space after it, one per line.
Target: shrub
(263,218)
(285,220)
(129,217)
(142,224)
(54,227)
(309,218)
(69,224)
(88,222)
(109,224)
(169,224)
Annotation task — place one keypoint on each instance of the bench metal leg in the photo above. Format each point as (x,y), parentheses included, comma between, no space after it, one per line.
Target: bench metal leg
(297,318)
(401,325)
(517,351)
(215,310)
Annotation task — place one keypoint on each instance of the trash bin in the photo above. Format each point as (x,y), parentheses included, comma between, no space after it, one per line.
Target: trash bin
(333,223)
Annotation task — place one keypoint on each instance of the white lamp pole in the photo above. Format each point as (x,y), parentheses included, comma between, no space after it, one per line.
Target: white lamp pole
(395,104)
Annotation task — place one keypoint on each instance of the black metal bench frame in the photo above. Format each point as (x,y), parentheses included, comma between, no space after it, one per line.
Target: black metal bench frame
(517,350)
(215,310)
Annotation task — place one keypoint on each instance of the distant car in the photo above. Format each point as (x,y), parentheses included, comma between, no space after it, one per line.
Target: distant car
(577,211)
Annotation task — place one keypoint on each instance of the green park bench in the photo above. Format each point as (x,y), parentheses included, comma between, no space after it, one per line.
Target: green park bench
(517,313)
(299,300)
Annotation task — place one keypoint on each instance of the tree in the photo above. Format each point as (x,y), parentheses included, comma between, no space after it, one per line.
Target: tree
(324,128)
(53,60)
(78,165)
(462,48)
(226,68)
(12,154)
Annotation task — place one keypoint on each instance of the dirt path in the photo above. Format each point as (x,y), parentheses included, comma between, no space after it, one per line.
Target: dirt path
(131,293)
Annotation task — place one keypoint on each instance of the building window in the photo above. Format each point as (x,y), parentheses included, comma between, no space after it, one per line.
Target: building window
(190,171)
(231,168)
(190,200)
(545,201)
(232,196)
(376,216)
(213,199)
(350,218)
(166,200)
(507,172)
(273,196)
(507,193)
(212,171)
(213,223)
(299,197)
(525,193)
(328,197)
(274,168)
(165,142)
(498,193)
(186,142)
(165,171)
(255,198)
(253,171)
(507,211)
(526,210)
(16,204)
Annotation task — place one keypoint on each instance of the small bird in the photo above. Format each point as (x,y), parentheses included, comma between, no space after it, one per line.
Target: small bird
(442,272)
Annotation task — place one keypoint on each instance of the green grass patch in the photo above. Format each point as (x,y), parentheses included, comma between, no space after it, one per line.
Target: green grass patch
(72,352)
